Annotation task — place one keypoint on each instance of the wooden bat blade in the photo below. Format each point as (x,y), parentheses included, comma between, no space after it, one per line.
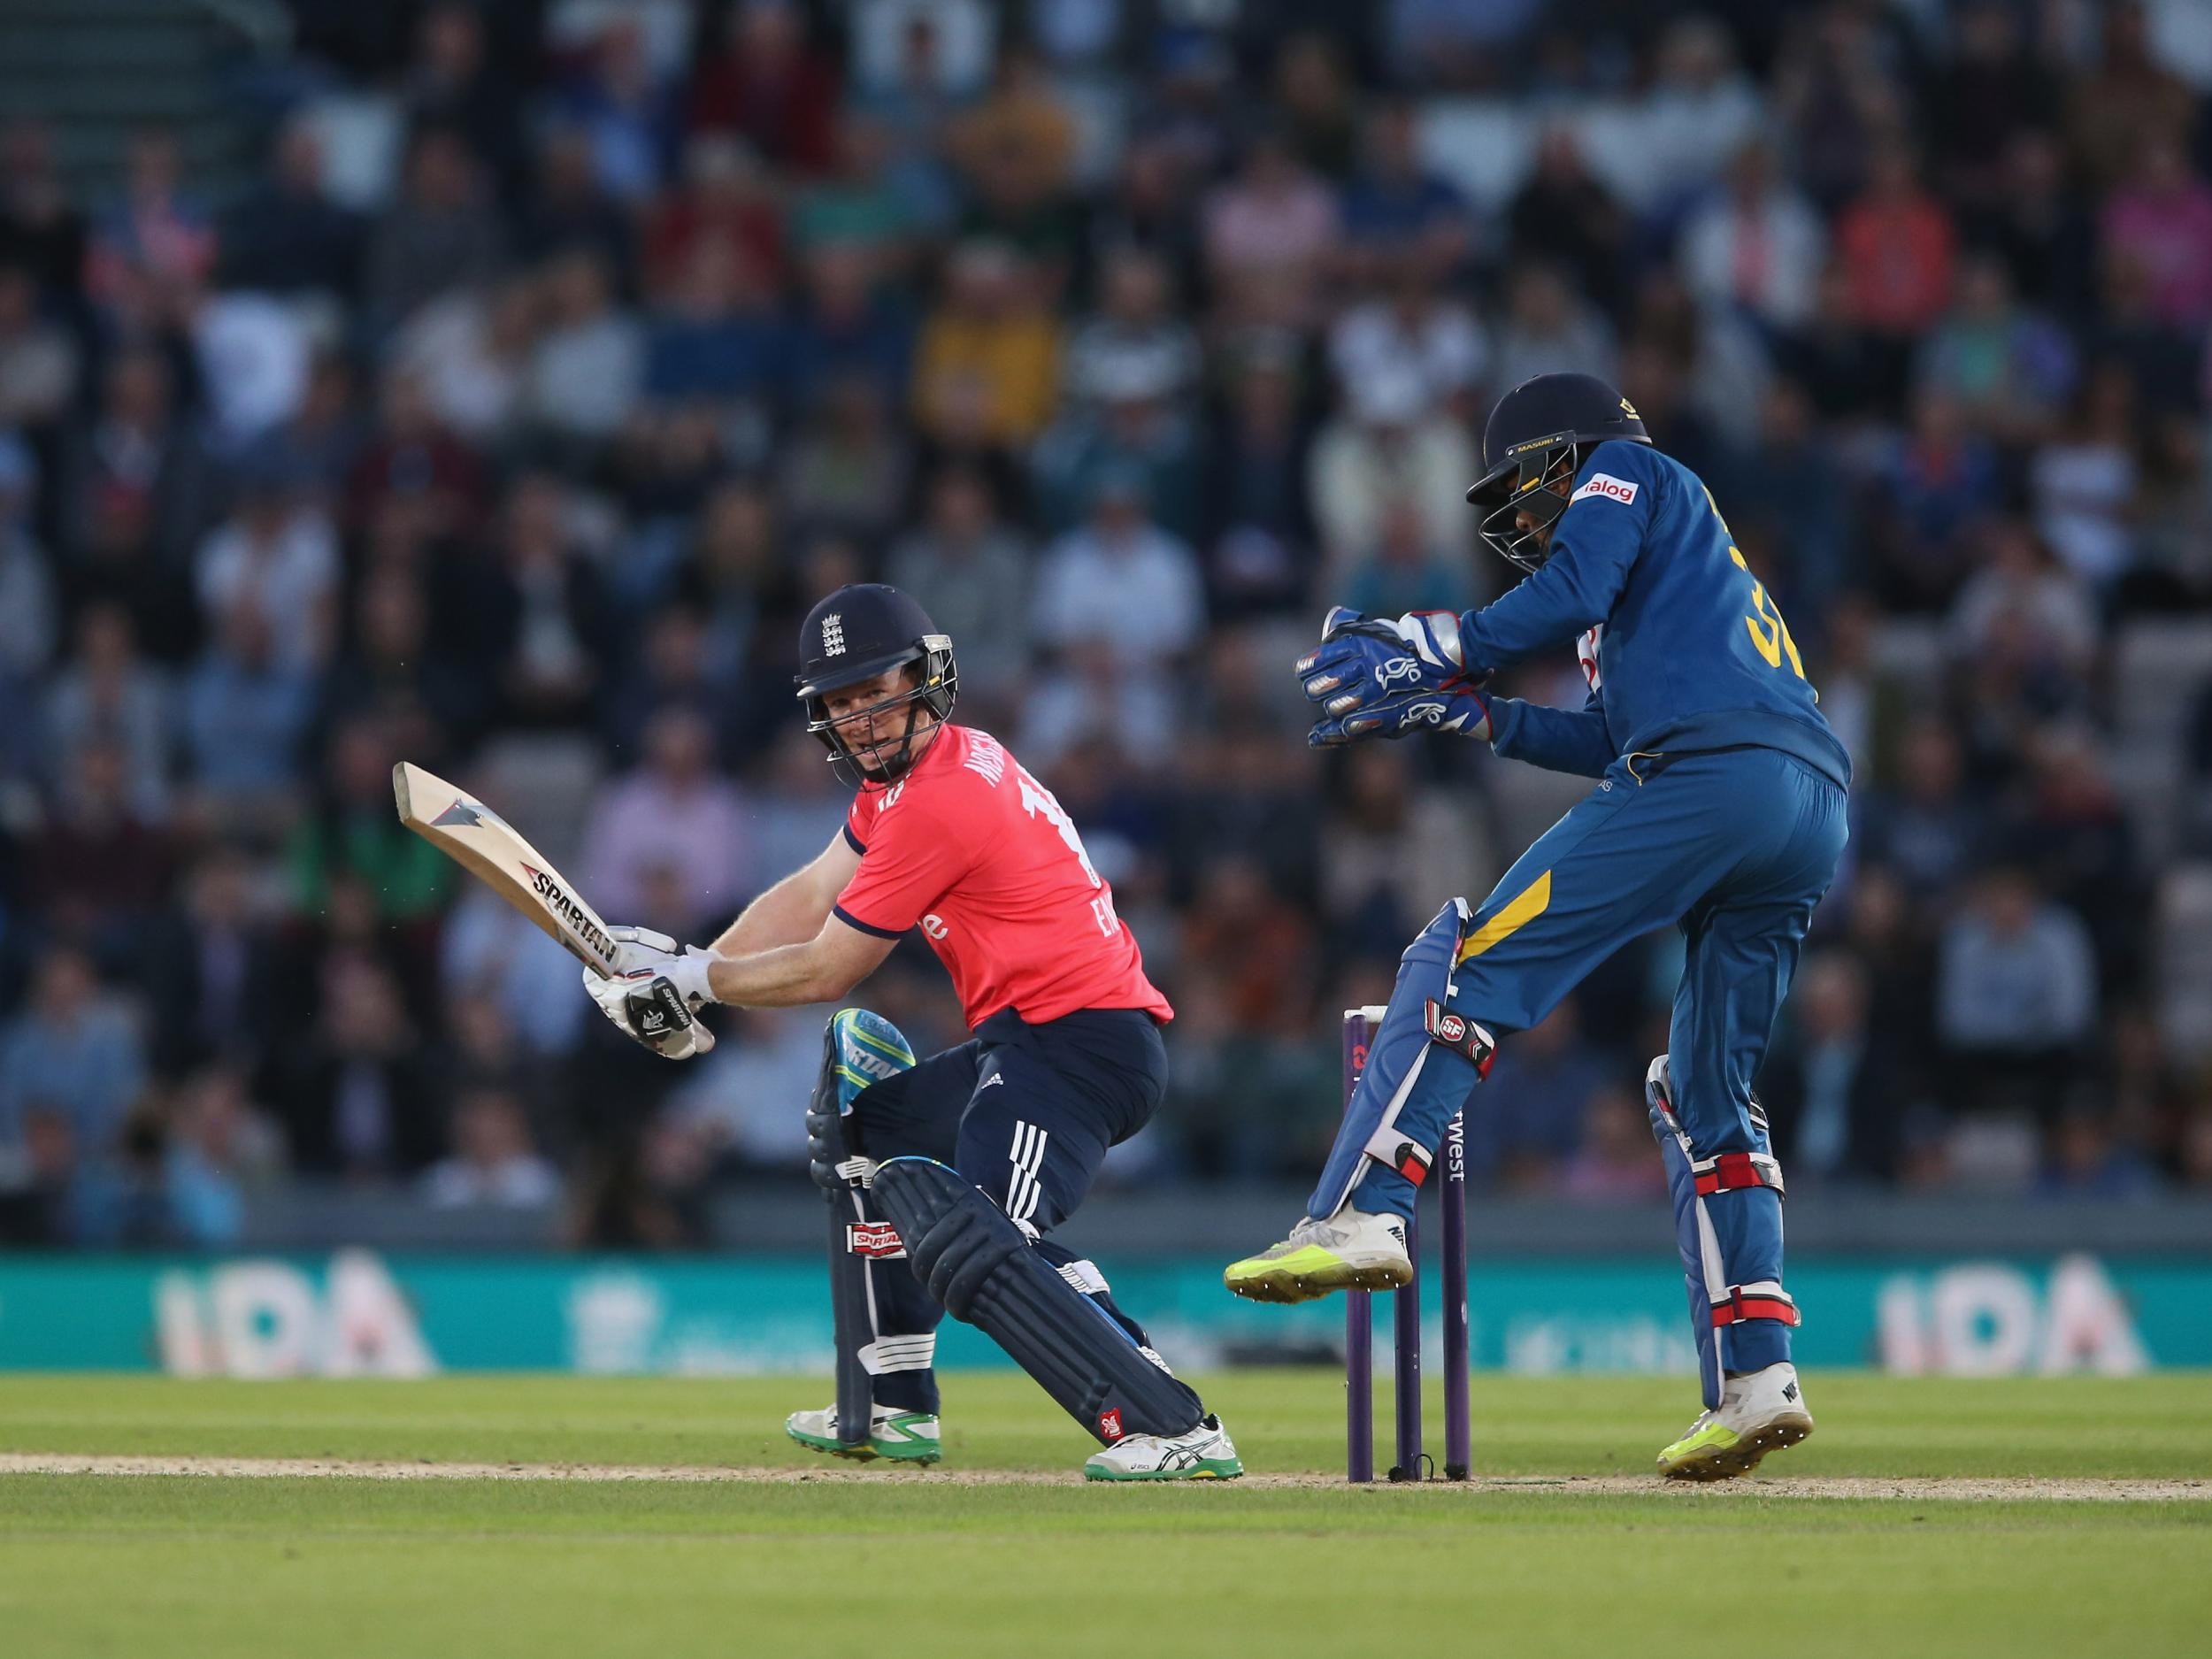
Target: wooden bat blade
(492,850)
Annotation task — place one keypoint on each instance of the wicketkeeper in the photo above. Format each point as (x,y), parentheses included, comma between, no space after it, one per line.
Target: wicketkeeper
(1719,808)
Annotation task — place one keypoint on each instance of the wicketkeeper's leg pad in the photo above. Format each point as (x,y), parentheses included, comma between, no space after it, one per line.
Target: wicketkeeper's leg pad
(1728,1226)
(1423,1059)
(981,1267)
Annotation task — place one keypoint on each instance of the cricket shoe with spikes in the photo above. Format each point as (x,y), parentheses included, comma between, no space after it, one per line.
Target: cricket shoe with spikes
(1204,1454)
(1759,1413)
(1350,1250)
(906,1437)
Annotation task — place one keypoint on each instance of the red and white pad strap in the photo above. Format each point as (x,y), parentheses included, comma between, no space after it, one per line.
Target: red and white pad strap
(1765,1300)
(1735,1169)
(1393,1150)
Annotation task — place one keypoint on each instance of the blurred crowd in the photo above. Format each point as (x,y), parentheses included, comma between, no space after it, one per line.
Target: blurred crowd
(564,351)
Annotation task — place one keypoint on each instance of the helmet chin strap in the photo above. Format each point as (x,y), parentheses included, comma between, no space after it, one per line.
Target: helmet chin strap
(881,771)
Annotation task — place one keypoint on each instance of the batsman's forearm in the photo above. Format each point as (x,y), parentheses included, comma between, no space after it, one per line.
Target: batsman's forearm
(789,913)
(787,976)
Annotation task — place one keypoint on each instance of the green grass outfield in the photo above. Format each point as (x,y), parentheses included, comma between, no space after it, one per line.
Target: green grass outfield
(911,1564)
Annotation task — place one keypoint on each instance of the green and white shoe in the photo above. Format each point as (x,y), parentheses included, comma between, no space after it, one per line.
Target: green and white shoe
(1351,1250)
(906,1437)
(1758,1414)
(1204,1454)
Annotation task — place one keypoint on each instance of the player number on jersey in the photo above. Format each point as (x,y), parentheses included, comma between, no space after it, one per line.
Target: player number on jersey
(1039,801)
(1769,635)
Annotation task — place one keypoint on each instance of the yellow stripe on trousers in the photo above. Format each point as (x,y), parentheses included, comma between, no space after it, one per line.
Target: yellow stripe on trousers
(1517,914)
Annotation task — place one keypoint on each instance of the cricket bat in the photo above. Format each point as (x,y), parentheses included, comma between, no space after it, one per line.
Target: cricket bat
(486,846)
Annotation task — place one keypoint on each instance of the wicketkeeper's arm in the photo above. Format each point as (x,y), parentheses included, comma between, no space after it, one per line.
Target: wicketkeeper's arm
(793,910)
(1558,740)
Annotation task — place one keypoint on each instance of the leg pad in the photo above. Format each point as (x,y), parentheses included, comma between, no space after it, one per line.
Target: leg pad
(982,1268)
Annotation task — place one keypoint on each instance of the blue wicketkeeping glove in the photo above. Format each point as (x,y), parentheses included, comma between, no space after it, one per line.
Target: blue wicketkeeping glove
(1377,678)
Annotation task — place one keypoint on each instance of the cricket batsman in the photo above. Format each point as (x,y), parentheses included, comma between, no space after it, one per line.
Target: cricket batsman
(1719,807)
(946,1176)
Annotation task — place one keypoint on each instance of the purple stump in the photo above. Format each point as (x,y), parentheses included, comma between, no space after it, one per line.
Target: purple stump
(1359,1309)
(1458,1430)
(1359,1387)
(1407,1321)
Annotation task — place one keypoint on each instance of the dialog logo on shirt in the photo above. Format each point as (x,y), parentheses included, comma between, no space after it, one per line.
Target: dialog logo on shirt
(1606,485)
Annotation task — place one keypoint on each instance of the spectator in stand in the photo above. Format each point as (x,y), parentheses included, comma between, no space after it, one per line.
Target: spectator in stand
(1835,1094)
(1700,110)
(1411,330)
(571,210)
(1534,1103)
(2016,997)
(765,84)
(1258,509)
(1017,149)
(71,1051)
(1564,215)
(350,835)
(471,351)
(2036,225)
(154,246)
(1388,450)
(494,1161)
(2173,570)
(849,470)
(358,1094)
(1756,244)
(2019,578)
(1135,344)
(39,228)
(1613,1165)
(1935,482)
(723,199)
(1390,845)
(277,557)
(97,867)
(456,80)
(220,1149)
(1399,216)
(862,201)
(1993,90)
(1790,487)
(975,571)
(286,236)
(28,622)
(988,364)
(2127,102)
(38,359)
(2010,370)
(1928,831)
(717,338)
(672,811)
(439,236)
(625,111)
(537,610)
(2084,480)
(247,714)
(208,967)
(2158,217)
(1401,573)
(137,481)
(1897,246)
(1084,577)
(589,366)
(1549,329)
(1269,228)
(107,693)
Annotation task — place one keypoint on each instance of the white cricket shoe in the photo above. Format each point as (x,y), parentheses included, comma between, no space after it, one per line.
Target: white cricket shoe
(1759,1413)
(906,1437)
(1350,1250)
(1204,1454)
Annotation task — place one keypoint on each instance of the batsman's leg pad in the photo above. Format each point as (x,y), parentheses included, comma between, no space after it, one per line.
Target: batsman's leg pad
(1728,1227)
(1423,1061)
(876,1336)
(981,1266)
